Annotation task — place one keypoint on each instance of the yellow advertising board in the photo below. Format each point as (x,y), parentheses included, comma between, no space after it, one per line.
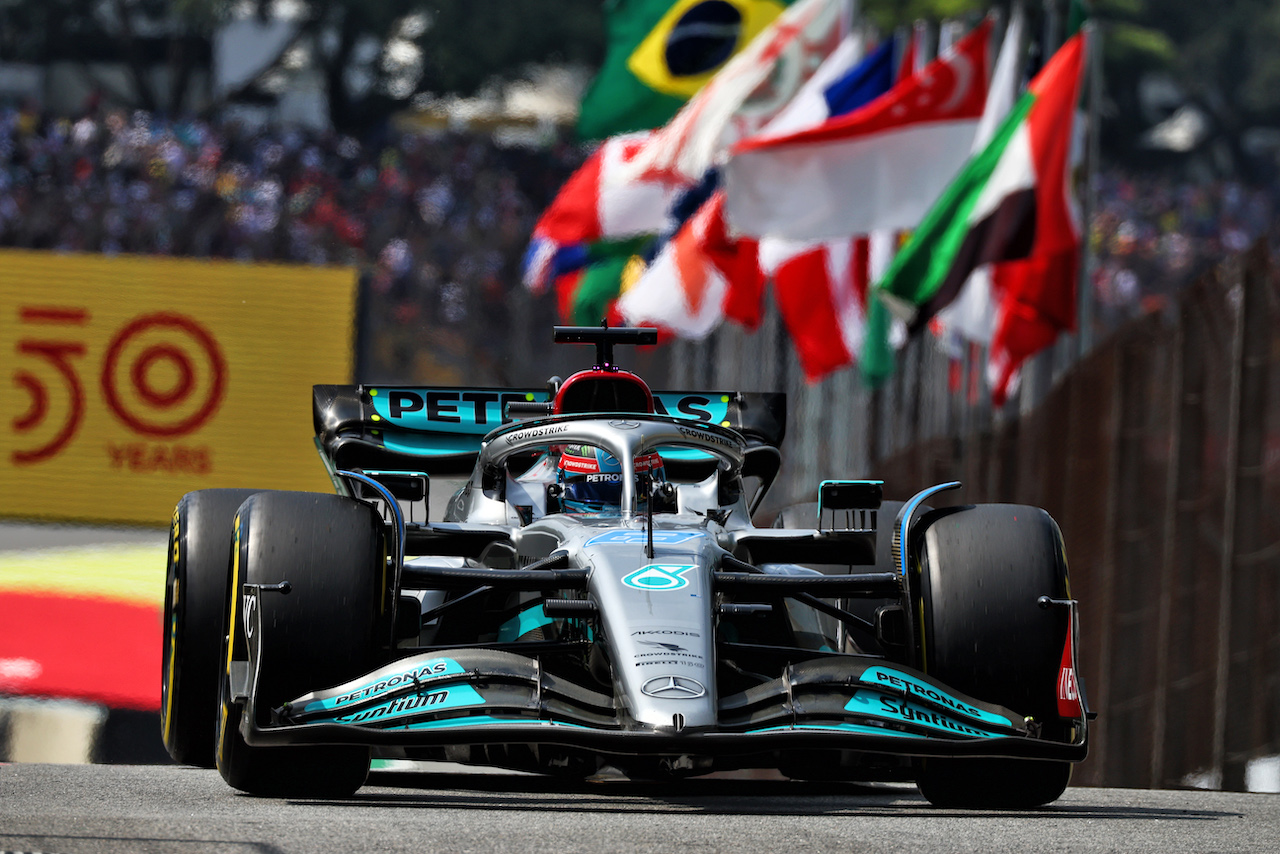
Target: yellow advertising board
(128,381)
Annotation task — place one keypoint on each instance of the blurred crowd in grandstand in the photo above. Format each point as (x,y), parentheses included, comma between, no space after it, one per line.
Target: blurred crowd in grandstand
(437,223)
(1151,234)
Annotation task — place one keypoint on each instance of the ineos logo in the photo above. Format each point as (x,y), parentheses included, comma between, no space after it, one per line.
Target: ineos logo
(1067,689)
(250,605)
(658,577)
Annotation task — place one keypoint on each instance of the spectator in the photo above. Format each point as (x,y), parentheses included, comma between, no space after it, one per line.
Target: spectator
(435,223)
(1153,234)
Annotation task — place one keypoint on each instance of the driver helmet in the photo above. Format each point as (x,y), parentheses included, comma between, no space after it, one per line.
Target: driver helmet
(592,478)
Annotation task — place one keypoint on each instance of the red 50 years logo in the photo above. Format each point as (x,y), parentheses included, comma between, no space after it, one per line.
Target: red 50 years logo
(162,375)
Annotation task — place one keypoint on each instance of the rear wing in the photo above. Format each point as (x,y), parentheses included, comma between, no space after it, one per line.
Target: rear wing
(438,429)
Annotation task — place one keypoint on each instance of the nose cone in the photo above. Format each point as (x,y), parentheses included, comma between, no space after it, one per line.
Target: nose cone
(657,624)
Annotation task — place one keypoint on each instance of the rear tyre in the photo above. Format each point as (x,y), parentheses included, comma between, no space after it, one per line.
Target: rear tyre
(982,570)
(195,603)
(325,631)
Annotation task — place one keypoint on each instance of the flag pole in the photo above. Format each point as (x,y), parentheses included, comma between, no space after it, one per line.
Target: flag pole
(1037,373)
(1085,302)
(1050,29)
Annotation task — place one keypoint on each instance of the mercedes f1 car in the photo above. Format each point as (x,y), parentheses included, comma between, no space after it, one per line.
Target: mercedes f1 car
(597,599)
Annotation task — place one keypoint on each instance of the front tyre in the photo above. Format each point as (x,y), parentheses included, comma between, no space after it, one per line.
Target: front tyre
(982,571)
(993,784)
(325,631)
(195,603)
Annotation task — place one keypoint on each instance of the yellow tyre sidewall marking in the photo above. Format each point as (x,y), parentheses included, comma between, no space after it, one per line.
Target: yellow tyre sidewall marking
(224,713)
(173,634)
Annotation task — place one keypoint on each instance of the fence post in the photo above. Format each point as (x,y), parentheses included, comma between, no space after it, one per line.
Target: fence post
(1239,654)
(363,332)
(1105,584)
(875,426)
(1133,573)
(1176,668)
(1168,558)
(915,432)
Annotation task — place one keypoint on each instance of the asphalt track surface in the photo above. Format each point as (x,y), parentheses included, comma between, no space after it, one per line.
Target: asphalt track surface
(86,809)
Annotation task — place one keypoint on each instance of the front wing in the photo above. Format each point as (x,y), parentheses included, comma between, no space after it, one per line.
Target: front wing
(487,696)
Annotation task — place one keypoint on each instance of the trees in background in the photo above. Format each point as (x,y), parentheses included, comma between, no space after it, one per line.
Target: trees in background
(1221,58)
(1218,58)
(375,56)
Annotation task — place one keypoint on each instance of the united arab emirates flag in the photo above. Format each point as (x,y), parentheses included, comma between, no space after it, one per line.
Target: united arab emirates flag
(661,52)
(1011,201)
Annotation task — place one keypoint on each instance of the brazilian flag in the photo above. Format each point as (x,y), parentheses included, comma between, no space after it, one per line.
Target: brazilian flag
(660,52)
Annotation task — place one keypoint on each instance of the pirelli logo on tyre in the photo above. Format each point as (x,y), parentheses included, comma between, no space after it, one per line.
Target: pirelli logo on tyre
(130,381)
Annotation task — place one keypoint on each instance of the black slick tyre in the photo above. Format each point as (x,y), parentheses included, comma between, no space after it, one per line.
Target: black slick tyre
(323,632)
(195,603)
(983,569)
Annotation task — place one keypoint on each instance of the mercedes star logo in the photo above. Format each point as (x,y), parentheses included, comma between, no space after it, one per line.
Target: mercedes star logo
(673,688)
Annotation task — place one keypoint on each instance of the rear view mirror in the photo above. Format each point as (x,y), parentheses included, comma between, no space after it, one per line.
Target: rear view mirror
(852,502)
(850,494)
